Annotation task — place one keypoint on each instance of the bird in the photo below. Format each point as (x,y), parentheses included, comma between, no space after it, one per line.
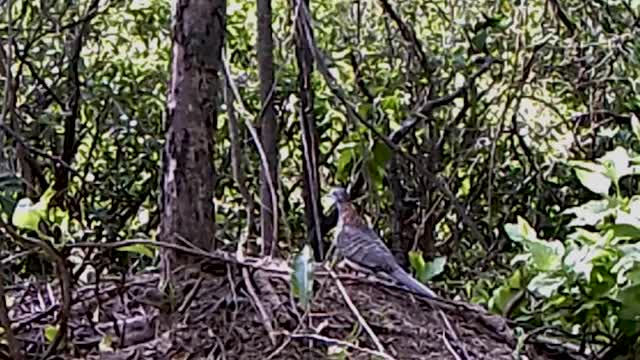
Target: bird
(360,244)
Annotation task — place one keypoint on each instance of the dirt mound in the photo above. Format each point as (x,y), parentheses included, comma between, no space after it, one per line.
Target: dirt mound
(248,312)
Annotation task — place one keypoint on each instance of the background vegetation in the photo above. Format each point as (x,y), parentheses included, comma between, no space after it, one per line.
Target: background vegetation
(515,142)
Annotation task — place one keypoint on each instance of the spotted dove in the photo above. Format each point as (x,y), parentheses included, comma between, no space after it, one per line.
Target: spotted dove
(358,243)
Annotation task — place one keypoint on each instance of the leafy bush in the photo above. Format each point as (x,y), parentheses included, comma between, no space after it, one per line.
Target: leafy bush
(589,283)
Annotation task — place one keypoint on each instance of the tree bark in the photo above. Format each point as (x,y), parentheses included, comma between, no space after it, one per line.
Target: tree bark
(310,138)
(269,127)
(188,178)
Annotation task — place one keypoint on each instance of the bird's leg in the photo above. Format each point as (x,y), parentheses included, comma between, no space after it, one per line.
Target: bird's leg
(332,256)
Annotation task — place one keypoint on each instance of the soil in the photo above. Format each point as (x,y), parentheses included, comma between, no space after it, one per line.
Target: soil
(249,312)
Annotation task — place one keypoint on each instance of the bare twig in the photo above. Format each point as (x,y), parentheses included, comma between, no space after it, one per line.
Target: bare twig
(355,311)
(341,343)
(453,334)
(305,67)
(9,94)
(14,349)
(63,276)
(236,157)
(256,139)
(266,318)
(447,344)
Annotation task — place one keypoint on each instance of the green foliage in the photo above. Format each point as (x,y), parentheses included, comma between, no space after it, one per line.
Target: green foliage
(50,332)
(141,249)
(302,276)
(591,278)
(425,271)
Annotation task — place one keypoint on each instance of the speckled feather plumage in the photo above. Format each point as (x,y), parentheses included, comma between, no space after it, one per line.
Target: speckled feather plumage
(360,244)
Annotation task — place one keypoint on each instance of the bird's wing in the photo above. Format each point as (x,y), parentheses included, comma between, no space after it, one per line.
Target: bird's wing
(364,247)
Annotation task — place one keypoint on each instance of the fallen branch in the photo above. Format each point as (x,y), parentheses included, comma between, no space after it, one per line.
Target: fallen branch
(355,312)
(339,342)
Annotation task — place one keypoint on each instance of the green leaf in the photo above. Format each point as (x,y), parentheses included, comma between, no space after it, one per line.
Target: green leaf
(479,41)
(418,265)
(596,182)
(302,276)
(616,163)
(583,237)
(50,332)
(629,298)
(382,153)
(547,255)
(343,160)
(592,213)
(27,215)
(501,297)
(580,260)
(526,231)
(513,231)
(434,267)
(545,284)
(141,249)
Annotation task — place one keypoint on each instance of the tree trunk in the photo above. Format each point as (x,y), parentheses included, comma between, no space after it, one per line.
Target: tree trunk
(310,138)
(269,127)
(188,182)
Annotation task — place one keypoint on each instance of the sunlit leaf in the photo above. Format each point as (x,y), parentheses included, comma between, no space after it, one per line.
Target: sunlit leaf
(590,213)
(545,284)
(141,249)
(418,265)
(546,255)
(27,215)
(435,267)
(596,182)
(513,231)
(50,332)
(617,163)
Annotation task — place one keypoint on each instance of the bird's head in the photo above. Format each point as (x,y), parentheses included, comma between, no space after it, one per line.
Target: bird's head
(339,195)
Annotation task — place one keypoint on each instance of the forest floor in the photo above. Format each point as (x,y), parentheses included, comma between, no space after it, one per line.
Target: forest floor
(249,312)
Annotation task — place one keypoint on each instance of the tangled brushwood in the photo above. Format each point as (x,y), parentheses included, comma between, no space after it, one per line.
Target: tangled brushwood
(250,313)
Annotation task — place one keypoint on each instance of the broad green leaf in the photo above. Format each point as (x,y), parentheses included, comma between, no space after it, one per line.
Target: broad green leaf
(302,276)
(515,280)
(27,215)
(418,265)
(479,40)
(526,231)
(547,255)
(617,163)
(513,231)
(435,267)
(580,260)
(501,297)
(629,298)
(592,213)
(589,166)
(545,284)
(585,237)
(596,182)
(50,332)
(344,159)
(381,153)
(141,249)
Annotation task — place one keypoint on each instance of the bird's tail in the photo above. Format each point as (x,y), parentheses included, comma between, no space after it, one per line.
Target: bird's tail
(407,280)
